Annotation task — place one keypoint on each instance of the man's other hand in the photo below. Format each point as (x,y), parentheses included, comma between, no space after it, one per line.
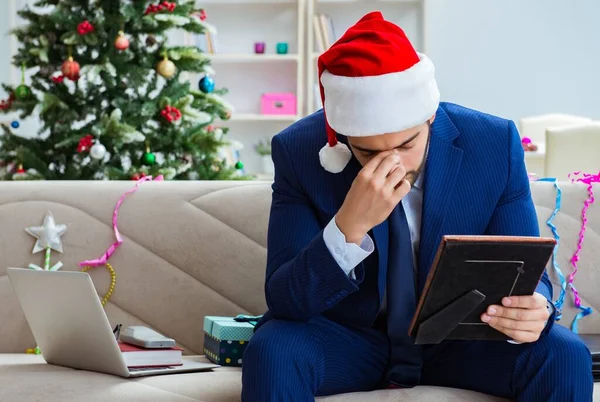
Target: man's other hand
(522,318)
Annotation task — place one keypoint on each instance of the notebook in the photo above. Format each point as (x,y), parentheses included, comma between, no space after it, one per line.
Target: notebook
(136,357)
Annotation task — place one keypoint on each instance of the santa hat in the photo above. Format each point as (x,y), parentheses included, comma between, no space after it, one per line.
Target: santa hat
(373,82)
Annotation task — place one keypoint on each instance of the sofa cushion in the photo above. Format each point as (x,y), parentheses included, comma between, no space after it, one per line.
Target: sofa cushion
(27,377)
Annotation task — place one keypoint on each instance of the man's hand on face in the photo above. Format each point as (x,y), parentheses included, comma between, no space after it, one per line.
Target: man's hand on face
(375,192)
(522,318)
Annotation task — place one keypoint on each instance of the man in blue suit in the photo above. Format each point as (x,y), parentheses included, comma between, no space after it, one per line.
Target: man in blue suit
(355,224)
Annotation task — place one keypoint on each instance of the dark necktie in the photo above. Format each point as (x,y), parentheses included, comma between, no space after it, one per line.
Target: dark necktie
(405,358)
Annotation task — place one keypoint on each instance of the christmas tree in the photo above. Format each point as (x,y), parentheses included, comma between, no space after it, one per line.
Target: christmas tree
(111,94)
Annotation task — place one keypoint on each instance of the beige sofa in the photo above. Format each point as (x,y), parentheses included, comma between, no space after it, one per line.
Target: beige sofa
(192,249)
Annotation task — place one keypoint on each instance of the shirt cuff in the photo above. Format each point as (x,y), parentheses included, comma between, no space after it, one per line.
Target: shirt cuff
(347,255)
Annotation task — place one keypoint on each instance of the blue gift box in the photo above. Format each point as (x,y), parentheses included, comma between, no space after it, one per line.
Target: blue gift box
(225,338)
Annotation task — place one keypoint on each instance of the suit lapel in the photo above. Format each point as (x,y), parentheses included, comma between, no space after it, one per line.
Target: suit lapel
(443,164)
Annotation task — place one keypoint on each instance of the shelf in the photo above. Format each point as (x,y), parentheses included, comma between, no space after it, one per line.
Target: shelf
(262,117)
(213,3)
(367,1)
(251,57)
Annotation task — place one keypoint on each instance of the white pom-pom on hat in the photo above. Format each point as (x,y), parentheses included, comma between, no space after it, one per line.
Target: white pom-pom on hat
(335,158)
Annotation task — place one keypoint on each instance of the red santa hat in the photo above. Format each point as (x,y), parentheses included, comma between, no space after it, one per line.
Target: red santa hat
(373,82)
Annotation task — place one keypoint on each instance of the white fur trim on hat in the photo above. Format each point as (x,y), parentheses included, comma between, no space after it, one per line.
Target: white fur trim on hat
(334,159)
(381,104)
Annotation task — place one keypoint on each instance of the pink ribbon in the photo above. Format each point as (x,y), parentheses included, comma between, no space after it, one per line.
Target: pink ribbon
(109,252)
(587,179)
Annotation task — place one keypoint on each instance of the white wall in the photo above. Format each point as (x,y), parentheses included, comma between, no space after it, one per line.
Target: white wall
(517,57)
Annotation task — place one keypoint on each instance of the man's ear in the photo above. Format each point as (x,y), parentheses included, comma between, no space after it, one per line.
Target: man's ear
(432,118)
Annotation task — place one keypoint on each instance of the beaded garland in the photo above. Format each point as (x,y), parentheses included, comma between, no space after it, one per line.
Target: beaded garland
(113,281)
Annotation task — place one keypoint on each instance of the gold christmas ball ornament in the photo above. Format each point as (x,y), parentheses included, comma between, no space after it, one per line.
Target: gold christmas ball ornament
(166,68)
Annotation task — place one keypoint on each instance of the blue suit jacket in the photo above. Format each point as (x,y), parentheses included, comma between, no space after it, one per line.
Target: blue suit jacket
(475,183)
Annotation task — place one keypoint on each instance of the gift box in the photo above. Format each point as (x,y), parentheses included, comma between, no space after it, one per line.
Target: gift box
(225,339)
(278,103)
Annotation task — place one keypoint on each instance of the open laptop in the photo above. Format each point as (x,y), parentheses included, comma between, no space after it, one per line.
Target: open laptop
(70,325)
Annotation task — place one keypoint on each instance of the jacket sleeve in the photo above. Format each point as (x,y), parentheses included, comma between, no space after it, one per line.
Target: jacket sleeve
(515,213)
(303,278)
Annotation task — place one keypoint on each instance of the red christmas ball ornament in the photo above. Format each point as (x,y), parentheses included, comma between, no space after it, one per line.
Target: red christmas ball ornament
(136,176)
(85,27)
(70,69)
(171,114)
(20,169)
(203,15)
(121,42)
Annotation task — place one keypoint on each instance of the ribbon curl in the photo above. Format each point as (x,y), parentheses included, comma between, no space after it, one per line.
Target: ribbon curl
(586,179)
(558,304)
(113,247)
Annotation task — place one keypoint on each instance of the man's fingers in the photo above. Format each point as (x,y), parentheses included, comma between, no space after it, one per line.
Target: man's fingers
(374,162)
(401,190)
(530,302)
(521,314)
(395,178)
(386,166)
(507,323)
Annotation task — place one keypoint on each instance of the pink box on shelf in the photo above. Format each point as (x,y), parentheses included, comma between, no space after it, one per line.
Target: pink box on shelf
(278,103)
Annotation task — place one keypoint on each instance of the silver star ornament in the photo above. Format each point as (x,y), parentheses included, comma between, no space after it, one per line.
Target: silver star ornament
(48,234)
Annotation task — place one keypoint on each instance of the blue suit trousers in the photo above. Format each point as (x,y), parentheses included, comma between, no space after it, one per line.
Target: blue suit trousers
(296,361)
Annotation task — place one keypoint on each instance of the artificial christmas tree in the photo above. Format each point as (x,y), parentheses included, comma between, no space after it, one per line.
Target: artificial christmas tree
(110,95)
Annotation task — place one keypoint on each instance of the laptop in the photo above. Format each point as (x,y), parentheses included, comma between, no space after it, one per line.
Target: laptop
(70,325)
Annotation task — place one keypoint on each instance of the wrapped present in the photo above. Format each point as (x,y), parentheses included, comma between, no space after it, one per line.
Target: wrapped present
(225,338)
